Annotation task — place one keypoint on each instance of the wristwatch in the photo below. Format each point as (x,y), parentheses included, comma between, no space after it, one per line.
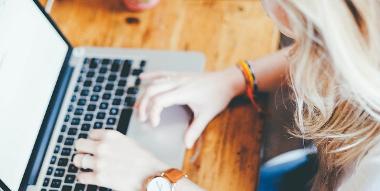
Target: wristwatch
(165,181)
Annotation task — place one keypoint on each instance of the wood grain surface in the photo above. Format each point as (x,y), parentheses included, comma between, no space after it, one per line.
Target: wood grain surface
(227,158)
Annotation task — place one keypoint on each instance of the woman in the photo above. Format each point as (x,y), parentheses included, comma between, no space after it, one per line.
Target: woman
(333,68)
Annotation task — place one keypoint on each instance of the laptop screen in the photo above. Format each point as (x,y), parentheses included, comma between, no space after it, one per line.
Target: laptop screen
(31,55)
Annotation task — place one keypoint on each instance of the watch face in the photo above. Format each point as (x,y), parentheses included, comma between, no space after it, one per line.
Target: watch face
(159,184)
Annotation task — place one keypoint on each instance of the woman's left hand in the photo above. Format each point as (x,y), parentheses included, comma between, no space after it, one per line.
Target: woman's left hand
(116,160)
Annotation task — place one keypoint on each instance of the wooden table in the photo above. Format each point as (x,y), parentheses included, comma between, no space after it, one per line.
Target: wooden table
(225,31)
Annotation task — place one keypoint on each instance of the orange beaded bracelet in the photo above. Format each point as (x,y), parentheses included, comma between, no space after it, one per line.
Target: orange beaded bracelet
(250,80)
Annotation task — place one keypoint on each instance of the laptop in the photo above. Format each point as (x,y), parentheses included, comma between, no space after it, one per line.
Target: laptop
(53,93)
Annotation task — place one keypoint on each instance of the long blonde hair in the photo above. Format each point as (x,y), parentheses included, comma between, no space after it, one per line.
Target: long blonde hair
(335,75)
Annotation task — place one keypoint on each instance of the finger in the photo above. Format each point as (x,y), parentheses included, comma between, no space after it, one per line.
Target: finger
(150,92)
(84,161)
(154,75)
(195,130)
(162,101)
(86,146)
(104,134)
(87,178)
(97,134)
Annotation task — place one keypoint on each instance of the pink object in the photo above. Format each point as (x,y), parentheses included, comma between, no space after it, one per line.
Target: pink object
(139,5)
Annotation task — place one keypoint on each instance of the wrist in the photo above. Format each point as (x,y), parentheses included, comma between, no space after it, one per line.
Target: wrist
(235,80)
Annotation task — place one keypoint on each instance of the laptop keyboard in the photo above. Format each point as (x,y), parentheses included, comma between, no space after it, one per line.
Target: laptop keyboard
(103,98)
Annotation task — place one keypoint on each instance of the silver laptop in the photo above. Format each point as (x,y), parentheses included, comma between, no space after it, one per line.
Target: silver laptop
(52,94)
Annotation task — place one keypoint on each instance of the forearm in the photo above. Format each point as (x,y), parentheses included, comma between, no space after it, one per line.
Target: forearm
(270,72)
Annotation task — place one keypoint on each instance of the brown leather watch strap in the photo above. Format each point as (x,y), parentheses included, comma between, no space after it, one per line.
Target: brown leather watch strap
(173,175)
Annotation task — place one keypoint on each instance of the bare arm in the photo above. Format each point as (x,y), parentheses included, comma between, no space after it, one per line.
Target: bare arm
(270,72)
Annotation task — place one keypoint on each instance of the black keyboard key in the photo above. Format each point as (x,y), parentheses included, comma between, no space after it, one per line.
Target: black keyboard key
(88,117)
(67,118)
(117,61)
(56,183)
(75,121)
(78,111)
(122,83)
(111,121)
(82,136)
(70,109)
(106,61)
(87,83)
(63,162)
(59,172)
(81,102)
(85,61)
(73,131)
(73,98)
(90,74)
(94,63)
(130,101)
(92,188)
(106,96)
(137,72)
(115,67)
(100,115)
(85,127)
(126,69)
(137,82)
(57,148)
(116,101)
(49,171)
(99,125)
(60,139)
(132,90)
(53,160)
(66,152)
(119,92)
(69,141)
(114,111)
(63,129)
(72,168)
(70,178)
(142,63)
(103,70)
(46,182)
(79,187)
(76,89)
(109,87)
(104,189)
(112,78)
(67,188)
(94,98)
(103,105)
(80,79)
(97,88)
(91,107)
(85,92)
(100,79)
(124,119)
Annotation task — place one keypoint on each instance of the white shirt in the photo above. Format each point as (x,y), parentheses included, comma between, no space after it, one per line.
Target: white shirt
(366,175)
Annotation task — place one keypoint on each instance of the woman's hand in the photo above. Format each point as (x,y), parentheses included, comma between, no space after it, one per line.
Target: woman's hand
(117,161)
(206,94)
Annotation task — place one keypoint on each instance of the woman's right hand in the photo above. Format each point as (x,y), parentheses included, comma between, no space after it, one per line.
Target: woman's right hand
(206,94)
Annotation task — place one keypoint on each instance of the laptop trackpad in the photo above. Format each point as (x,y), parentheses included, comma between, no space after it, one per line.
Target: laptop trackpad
(166,141)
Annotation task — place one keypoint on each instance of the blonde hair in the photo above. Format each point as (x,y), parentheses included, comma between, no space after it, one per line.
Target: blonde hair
(335,76)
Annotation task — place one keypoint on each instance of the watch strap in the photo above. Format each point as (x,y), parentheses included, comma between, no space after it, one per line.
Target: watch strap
(174,175)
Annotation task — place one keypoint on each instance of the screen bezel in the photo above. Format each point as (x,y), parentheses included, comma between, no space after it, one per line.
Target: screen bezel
(39,149)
